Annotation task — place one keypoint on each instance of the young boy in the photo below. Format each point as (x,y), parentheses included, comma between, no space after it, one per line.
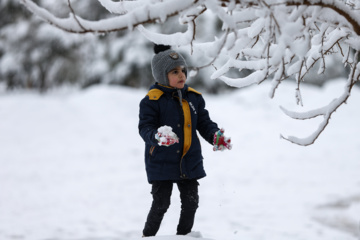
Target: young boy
(170,115)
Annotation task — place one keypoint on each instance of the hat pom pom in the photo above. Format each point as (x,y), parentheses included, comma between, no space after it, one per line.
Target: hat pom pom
(161,48)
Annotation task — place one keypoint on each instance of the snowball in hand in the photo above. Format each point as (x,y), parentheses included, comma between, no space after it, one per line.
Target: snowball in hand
(166,137)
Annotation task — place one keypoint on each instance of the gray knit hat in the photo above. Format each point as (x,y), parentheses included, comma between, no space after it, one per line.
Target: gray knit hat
(164,61)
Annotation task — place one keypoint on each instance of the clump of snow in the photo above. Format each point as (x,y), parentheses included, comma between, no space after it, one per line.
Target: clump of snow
(166,131)
(166,136)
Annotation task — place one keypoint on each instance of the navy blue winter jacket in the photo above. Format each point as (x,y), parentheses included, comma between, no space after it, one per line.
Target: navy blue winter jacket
(183,160)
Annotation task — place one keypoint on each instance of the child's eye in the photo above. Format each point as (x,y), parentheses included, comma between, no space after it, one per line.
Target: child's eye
(175,72)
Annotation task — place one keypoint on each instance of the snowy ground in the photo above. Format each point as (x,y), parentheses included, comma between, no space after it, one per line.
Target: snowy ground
(71,168)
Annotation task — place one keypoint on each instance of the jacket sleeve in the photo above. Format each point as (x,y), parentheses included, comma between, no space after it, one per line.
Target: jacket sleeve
(148,120)
(205,125)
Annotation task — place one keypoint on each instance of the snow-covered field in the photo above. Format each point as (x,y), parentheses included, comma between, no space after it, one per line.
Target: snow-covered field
(71,168)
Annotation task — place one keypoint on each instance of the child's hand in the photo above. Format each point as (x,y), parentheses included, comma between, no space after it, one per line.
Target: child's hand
(221,142)
(166,137)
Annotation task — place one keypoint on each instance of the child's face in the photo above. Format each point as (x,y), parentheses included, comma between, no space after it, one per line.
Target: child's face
(177,77)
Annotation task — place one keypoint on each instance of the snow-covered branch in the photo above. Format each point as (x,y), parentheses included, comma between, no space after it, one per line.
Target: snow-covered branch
(326,111)
(272,39)
(338,6)
(139,14)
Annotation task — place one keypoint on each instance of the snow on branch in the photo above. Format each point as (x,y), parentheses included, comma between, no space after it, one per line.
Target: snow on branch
(121,7)
(325,112)
(287,40)
(271,39)
(143,13)
(339,7)
(169,39)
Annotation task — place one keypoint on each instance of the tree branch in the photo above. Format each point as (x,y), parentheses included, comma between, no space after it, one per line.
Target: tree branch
(142,15)
(326,111)
(337,6)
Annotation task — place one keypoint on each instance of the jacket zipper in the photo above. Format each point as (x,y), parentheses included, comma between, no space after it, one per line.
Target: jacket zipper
(182,114)
(181,170)
(152,150)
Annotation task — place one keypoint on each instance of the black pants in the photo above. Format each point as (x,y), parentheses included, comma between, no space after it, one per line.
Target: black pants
(161,192)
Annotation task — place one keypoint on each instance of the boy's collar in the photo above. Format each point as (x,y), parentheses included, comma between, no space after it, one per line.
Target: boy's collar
(169,87)
(165,86)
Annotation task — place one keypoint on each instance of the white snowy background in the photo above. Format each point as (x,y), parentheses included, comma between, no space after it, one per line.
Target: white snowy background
(72,168)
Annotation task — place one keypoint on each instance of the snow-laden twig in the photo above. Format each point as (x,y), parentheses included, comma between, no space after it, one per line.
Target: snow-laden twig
(178,38)
(147,13)
(122,7)
(326,111)
(169,39)
(339,7)
(253,78)
(73,15)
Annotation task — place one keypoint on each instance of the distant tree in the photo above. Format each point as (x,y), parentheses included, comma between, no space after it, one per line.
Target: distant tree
(35,55)
(273,39)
